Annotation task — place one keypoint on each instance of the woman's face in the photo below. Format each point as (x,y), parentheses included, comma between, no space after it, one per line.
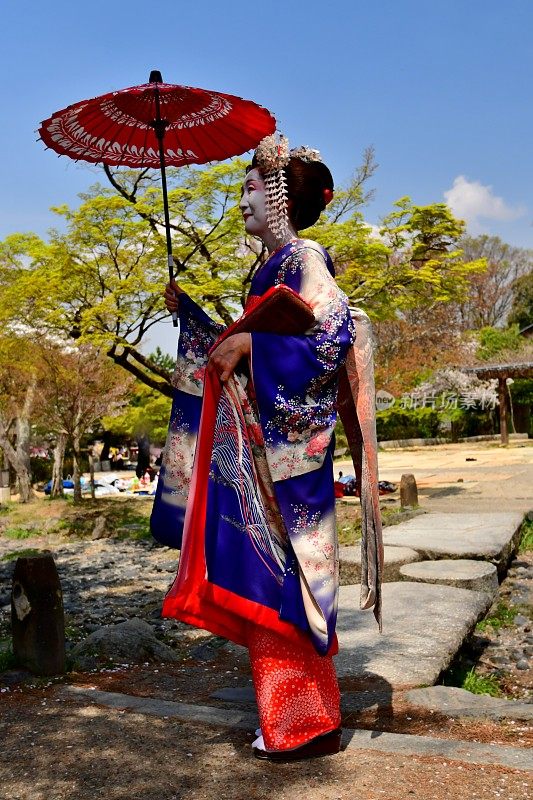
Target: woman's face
(252,204)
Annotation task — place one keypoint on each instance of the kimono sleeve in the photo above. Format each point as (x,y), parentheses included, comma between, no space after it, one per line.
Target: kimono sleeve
(295,378)
(197,333)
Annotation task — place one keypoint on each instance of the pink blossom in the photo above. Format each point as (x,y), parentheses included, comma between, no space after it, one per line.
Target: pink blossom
(317,445)
(198,374)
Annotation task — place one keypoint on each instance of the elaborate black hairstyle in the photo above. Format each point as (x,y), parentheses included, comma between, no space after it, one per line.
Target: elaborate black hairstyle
(309,190)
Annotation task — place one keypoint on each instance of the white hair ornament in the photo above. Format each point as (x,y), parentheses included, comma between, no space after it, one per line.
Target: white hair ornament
(272,155)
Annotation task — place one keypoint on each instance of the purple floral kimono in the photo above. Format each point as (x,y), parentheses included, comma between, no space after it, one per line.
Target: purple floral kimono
(255,499)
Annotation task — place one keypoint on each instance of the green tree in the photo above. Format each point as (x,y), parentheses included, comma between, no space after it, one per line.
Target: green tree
(101,281)
(163,360)
(490,294)
(492,342)
(415,262)
(146,414)
(522,304)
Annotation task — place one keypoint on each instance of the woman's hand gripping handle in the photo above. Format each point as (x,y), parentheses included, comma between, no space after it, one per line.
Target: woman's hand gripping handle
(171,294)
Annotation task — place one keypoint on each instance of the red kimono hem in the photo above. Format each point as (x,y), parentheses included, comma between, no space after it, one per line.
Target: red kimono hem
(226,614)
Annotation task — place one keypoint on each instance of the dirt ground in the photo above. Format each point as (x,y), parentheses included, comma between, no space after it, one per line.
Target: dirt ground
(464,477)
(76,751)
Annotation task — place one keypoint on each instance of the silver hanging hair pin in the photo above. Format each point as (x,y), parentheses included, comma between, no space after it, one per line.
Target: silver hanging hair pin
(272,155)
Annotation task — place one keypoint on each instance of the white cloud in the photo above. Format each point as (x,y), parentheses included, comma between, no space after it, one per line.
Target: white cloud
(472,201)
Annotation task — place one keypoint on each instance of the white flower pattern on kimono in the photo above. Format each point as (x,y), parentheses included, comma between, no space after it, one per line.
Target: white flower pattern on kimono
(178,459)
(315,545)
(189,374)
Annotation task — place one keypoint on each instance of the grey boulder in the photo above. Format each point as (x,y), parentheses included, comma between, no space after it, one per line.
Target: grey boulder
(130,642)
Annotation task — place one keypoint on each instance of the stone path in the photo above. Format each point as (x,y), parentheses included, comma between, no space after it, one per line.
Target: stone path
(353,739)
(489,536)
(425,625)
(452,700)
(394,559)
(109,581)
(464,573)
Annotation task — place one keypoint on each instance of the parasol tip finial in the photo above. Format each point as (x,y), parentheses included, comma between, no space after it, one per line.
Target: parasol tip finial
(155,77)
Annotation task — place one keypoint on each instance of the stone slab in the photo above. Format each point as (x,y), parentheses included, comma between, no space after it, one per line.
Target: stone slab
(350,701)
(167,708)
(450,749)
(352,740)
(424,625)
(489,536)
(460,703)
(464,573)
(394,558)
(235,694)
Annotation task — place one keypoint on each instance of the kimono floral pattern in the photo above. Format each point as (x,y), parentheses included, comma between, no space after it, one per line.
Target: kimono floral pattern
(299,424)
(198,333)
(178,461)
(270,522)
(316,551)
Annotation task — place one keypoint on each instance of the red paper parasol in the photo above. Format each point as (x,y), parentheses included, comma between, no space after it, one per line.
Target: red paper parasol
(157,124)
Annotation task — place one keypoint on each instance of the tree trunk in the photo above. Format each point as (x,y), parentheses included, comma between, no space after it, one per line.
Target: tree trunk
(76,473)
(76,454)
(104,455)
(19,455)
(23,475)
(57,469)
(91,471)
(23,433)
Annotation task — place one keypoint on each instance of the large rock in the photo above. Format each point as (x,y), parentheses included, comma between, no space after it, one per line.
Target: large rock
(463,573)
(130,642)
(492,537)
(460,703)
(424,625)
(394,558)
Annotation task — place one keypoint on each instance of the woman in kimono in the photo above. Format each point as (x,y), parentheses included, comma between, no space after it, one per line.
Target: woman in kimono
(248,467)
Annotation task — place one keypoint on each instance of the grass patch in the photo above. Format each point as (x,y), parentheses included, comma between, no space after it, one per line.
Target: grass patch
(29,551)
(348,517)
(127,515)
(501,617)
(462,673)
(19,533)
(526,536)
(137,534)
(481,684)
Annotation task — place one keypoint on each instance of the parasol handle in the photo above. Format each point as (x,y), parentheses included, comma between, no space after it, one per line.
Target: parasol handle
(159,125)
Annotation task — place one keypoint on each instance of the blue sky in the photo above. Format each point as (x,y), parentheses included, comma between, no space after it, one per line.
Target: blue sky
(441,89)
